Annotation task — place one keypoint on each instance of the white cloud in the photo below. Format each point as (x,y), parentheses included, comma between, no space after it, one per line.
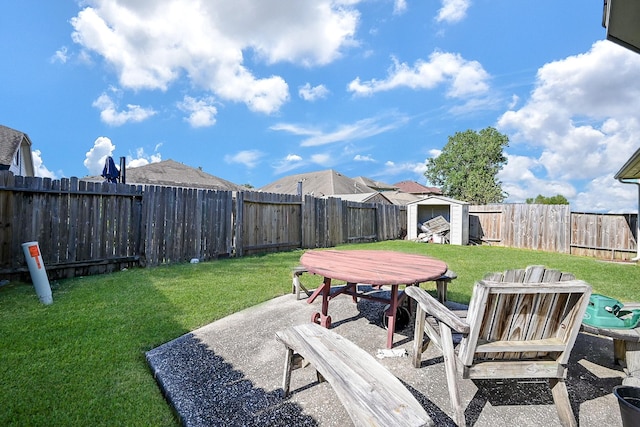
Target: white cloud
(136,163)
(140,158)
(103,148)
(40,169)
(202,112)
(581,120)
(453,11)
(96,156)
(248,158)
(416,168)
(322,159)
(152,43)
(363,158)
(361,129)
(515,99)
(110,115)
(293,158)
(61,55)
(399,7)
(620,198)
(295,129)
(464,78)
(520,182)
(289,163)
(309,93)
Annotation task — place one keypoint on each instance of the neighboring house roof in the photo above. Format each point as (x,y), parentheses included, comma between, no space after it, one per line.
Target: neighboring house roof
(400,197)
(416,188)
(375,197)
(376,185)
(15,152)
(321,183)
(174,174)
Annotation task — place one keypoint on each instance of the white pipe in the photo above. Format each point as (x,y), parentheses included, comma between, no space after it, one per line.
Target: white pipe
(38,273)
(637,182)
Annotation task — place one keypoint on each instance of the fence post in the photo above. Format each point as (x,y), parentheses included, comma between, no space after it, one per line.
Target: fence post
(238,237)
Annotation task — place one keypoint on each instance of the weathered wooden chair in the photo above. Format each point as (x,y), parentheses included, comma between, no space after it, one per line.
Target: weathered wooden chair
(520,324)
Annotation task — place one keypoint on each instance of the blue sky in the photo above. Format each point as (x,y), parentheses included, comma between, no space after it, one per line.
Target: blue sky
(254,90)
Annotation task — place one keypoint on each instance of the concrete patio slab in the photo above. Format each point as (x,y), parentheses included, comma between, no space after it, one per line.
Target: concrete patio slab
(229,373)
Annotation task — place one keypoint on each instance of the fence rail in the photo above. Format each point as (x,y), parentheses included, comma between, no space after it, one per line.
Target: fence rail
(90,228)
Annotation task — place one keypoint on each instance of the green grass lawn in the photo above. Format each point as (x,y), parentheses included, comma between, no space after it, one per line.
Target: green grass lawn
(80,361)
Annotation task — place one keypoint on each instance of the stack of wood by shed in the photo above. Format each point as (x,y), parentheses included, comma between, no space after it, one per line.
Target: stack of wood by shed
(435,230)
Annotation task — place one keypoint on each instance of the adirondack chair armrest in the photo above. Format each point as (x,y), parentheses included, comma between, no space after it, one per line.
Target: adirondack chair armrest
(434,308)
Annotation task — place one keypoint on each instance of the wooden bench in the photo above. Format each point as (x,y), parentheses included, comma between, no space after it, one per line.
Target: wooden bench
(371,394)
(443,282)
(296,285)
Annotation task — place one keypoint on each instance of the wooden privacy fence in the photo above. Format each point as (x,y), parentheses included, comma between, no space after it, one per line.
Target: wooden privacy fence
(90,228)
(276,222)
(554,228)
(80,226)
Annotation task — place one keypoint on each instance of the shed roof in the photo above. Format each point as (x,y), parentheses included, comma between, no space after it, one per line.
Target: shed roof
(442,199)
(631,169)
(400,197)
(321,183)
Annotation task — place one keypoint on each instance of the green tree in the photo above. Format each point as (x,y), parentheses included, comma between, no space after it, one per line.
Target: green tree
(558,199)
(468,166)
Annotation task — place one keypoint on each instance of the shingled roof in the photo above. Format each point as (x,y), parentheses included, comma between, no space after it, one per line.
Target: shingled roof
(376,185)
(10,142)
(170,173)
(401,198)
(375,197)
(320,183)
(416,188)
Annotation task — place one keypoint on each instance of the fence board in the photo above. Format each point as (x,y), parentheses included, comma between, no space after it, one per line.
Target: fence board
(555,228)
(604,235)
(309,222)
(271,222)
(7,223)
(360,221)
(55,213)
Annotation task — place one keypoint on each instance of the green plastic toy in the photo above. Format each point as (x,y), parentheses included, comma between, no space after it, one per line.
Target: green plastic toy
(606,312)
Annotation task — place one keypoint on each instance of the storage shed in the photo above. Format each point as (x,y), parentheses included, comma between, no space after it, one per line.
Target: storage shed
(454,211)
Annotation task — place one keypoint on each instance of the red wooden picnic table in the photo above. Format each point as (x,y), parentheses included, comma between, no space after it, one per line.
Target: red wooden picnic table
(377,268)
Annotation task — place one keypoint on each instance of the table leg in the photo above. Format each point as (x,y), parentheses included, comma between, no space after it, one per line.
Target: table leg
(322,318)
(632,356)
(391,315)
(354,295)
